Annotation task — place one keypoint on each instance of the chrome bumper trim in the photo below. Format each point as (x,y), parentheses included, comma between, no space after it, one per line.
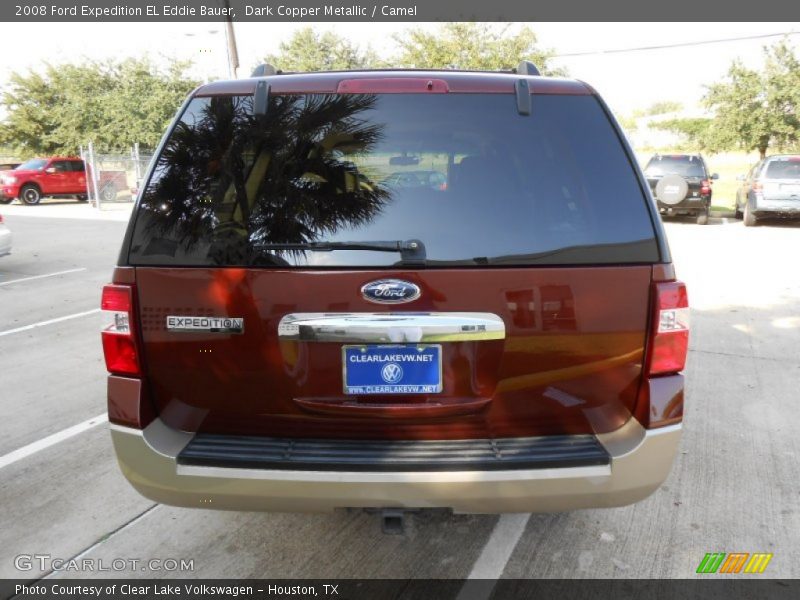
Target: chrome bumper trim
(395,327)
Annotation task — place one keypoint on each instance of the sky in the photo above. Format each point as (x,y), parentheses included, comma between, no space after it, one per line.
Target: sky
(627,80)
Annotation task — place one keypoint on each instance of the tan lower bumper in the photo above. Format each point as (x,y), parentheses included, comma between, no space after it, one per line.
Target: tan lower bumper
(641,461)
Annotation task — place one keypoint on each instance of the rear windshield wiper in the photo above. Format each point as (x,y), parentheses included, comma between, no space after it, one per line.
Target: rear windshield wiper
(411,251)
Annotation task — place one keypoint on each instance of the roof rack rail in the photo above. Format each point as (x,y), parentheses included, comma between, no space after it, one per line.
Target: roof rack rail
(526,67)
(264,70)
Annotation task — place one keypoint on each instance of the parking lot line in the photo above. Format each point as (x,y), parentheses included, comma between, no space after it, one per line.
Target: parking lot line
(494,557)
(49,322)
(41,276)
(51,573)
(50,440)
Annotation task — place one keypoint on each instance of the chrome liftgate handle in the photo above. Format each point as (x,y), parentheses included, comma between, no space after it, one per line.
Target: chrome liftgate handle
(398,327)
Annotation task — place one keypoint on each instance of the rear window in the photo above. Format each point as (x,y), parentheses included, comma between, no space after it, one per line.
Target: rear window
(466,174)
(784,168)
(685,166)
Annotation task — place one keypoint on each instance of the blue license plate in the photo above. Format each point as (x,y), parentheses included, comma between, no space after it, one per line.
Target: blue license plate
(392,369)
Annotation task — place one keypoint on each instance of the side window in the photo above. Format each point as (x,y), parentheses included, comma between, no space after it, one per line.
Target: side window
(61,166)
(77,166)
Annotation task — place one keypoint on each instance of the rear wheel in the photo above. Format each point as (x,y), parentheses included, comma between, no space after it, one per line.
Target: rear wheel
(82,198)
(750,219)
(108,193)
(6,200)
(702,218)
(30,194)
(737,212)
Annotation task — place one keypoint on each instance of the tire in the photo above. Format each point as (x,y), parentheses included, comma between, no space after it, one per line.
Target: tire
(82,198)
(750,220)
(672,190)
(702,218)
(5,200)
(108,193)
(30,194)
(737,213)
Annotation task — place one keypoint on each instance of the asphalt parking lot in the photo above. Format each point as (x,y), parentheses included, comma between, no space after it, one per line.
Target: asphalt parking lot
(734,487)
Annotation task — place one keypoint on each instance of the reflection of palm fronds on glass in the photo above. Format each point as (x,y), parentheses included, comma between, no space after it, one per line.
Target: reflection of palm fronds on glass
(234,179)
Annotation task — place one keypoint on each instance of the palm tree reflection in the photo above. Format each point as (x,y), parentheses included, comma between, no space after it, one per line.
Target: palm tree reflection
(232,180)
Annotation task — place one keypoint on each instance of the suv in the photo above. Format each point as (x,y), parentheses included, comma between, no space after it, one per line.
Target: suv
(58,177)
(681,185)
(770,189)
(285,335)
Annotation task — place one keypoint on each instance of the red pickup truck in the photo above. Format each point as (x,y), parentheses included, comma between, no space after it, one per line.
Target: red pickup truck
(58,177)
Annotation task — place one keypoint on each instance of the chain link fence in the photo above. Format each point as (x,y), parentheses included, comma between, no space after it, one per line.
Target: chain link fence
(114,178)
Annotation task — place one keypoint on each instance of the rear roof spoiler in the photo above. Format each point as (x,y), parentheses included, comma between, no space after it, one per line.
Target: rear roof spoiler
(521,87)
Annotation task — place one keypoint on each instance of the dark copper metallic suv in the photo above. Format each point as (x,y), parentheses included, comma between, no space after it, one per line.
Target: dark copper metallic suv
(291,333)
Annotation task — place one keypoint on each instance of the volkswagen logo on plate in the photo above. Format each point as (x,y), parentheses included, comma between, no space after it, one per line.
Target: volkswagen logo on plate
(390,291)
(392,372)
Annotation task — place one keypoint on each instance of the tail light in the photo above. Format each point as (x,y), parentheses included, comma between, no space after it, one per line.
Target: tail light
(669,339)
(1,218)
(119,337)
(660,398)
(757,186)
(705,186)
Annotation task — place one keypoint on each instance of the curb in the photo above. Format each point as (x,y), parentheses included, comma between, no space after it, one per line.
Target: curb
(119,212)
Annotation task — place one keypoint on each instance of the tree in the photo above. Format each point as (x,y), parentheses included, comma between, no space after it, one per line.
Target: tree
(295,191)
(479,46)
(757,109)
(662,108)
(308,50)
(112,103)
(696,131)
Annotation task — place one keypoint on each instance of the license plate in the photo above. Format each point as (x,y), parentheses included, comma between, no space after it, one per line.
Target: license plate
(392,369)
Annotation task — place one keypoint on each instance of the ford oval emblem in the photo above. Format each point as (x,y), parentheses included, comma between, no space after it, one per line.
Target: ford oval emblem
(390,291)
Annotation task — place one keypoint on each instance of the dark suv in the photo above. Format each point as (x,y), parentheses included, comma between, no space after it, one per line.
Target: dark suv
(681,185)
(287,333)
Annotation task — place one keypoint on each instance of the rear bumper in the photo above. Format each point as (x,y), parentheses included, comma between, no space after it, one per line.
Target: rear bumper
(688,205)
(777,208)
(5,240)
(640,461)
